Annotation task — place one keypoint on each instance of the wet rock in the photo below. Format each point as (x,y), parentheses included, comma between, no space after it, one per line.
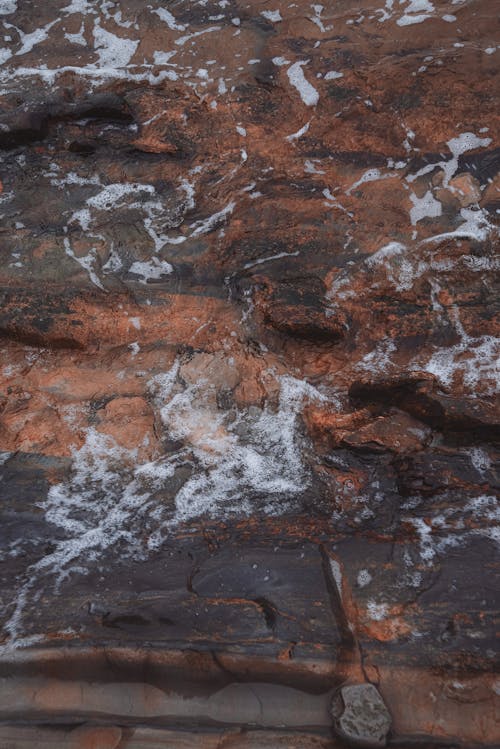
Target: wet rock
(298,310)
(248,316)
(43,737)
(83,737)
(467,189)
(419,394)
(360,716)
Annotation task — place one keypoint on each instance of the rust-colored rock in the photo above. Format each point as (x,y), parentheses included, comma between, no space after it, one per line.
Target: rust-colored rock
(248,371)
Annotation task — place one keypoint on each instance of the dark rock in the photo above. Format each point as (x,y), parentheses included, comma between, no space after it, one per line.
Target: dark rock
(248,370)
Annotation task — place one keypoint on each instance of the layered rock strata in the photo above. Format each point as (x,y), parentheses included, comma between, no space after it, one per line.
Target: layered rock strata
(248,370)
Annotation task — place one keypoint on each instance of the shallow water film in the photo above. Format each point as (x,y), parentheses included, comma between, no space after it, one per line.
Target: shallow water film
(249,367)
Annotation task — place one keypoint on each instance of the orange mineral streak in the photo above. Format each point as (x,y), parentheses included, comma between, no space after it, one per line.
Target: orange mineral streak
(392,627)
(290,248)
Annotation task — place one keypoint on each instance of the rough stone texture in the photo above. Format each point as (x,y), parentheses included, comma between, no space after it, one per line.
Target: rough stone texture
(248,370)
(92,737)
(360,715)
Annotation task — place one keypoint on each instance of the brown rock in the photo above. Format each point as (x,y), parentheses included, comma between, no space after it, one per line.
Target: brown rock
(95,738)
(466,188)
(248,427)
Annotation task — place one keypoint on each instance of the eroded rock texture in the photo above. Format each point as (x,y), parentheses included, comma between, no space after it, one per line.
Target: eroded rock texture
(248,370)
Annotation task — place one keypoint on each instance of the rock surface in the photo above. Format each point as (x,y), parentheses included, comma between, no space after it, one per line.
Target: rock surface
(360,716)
(248,370)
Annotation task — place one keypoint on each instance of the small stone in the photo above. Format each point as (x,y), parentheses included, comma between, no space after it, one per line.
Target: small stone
(360,716)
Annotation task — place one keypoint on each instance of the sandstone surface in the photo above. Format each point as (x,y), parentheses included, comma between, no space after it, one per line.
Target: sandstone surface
(248,371)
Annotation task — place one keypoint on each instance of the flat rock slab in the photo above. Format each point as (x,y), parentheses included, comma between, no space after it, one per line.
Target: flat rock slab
(114,737)
(131,703)
(262,604)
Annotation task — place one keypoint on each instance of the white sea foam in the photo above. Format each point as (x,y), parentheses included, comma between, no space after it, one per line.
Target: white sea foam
(7,7)
(78,6)
(302,131)
(98,74)
(112,196)
(152,269)
(310,168)
(377,611)
(28,41)
(96,509)
(237,460)
(486,508)
(333,202)
(364,578)
(189,190)
(480,459)
(386,12)
(113,51)
(308,93)
(425,207)
(378,361)
(475,358)
(5,54)
(447,530)
(87,262)
(332,75)
(400,268)
(269,258)
(416,11)
(267,462)
(183,39)
(316,18)
(476,225)
(162,58)
(77,38)
(459,145)
(387,251)
(280,61)
(72,178)
(211,222)
(271,15)
(371,175)
(158,221)
(169,19)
